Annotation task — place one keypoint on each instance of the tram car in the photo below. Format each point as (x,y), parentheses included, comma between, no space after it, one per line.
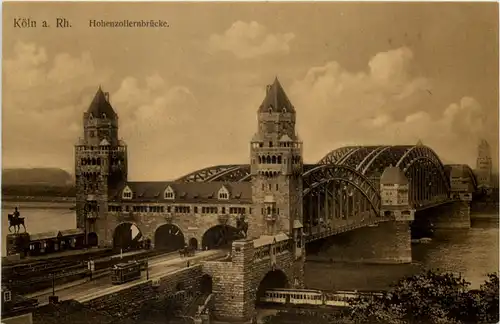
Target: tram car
(125,272)
(293,296)
(313,297)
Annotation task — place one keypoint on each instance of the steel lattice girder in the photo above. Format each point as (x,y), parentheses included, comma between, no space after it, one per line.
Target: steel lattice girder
(321,175)
(234,174)
(469,171)
(423,153)
(336,155)
(207,173)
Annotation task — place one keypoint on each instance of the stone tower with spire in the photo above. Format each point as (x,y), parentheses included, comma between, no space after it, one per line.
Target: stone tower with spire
(100,166)
(276,167)
(484,164)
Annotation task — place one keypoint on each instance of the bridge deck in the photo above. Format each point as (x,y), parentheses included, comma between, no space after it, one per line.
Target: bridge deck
(160,267)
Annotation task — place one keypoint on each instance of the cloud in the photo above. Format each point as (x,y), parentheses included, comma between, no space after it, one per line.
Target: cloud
(385,104)
(41,101)
(44,101)
(250,40)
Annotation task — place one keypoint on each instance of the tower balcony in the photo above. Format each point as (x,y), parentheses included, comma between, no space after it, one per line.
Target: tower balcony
(271,218)
(92,215)
(270,167)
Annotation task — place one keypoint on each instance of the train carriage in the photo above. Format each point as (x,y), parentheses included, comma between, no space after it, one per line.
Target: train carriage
(293,296)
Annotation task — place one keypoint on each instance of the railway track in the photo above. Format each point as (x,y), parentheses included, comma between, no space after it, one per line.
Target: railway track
(65,272)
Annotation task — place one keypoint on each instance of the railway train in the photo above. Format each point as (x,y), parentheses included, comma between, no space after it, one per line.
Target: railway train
(313,297)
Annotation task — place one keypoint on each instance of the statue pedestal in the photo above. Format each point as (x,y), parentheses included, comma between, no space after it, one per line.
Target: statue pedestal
(17,243)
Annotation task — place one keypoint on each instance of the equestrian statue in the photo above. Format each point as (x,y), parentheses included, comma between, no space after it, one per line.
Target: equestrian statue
(15,220)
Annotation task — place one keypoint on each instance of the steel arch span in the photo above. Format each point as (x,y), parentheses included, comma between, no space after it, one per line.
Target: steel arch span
(429,182)
(213,173)
(336,194)
(466,171)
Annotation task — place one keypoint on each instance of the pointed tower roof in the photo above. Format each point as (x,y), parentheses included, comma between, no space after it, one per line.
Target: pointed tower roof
(100,105)
(276,99)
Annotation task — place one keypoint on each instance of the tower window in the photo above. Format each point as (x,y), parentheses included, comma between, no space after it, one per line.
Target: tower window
(270,144)
(92,134)
(270,187)
(277,187)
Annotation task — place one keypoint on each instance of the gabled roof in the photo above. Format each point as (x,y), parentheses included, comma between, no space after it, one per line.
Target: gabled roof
(100,105)
(104,142)
(185,192)
(276,99)
(285,138)
(393,175)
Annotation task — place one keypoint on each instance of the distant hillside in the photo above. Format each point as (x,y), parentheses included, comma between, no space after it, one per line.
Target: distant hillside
(37,176)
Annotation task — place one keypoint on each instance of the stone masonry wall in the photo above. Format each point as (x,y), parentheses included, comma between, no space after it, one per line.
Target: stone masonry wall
(127,302)
(191,225)
(235,283)
(388,242)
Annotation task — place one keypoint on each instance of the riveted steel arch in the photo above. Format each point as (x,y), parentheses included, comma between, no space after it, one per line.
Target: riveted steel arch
(419,153)
(206,173)
(336,155)
(472,176)
(235,174)
(323,174)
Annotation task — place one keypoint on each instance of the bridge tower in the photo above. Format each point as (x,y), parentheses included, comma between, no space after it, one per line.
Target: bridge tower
(100,166)
(484,164)
(276,167)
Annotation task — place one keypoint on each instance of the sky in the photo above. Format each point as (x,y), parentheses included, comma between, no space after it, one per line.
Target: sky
(187,95)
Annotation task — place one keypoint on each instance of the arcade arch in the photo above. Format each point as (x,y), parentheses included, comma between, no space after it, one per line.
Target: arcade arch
(219,236)
(127,236)
(169,237)
(274,279)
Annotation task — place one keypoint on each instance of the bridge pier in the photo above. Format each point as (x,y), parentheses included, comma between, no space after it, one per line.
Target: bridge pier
(455,215)
(385,243)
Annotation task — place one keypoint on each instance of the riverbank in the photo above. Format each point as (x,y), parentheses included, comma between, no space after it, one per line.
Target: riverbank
(38,203)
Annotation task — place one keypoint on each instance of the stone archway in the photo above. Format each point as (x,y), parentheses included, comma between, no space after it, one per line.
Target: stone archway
(219,236)
(193,242)
(169,237)
(127,236)
(274,279)
(92,239)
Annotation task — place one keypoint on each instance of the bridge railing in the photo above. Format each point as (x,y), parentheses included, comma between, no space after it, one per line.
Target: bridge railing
(273,249)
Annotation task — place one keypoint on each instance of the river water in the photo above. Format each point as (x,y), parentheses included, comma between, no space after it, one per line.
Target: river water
(473,253)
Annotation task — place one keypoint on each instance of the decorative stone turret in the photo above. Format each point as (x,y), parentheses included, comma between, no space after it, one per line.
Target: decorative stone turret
(394,195)
(276,166)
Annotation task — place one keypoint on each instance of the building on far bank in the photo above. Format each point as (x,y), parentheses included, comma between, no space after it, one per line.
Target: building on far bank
(484,165)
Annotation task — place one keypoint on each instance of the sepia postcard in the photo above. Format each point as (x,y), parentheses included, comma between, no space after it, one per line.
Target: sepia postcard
(250,162)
